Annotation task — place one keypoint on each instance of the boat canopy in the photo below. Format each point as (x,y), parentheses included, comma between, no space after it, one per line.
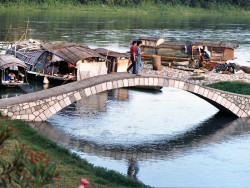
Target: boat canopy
(70,52)
(104,52)
(172,45)
(9,60)
(215,44)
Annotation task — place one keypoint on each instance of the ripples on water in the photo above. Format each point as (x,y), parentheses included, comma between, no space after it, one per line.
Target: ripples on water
(163,138)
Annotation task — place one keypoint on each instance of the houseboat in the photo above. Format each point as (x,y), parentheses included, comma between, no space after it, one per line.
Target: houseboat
(115,61)
(57,61)
(12,71)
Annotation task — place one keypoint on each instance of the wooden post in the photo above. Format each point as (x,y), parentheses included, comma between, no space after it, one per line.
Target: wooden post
(26,32)
(7,33)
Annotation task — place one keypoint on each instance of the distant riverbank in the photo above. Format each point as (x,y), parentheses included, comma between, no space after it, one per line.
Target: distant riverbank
(143,8)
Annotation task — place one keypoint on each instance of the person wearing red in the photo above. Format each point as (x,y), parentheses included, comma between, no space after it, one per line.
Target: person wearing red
(132,56)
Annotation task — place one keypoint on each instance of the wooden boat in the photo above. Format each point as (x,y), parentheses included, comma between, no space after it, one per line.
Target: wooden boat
(56,61)
(12,71)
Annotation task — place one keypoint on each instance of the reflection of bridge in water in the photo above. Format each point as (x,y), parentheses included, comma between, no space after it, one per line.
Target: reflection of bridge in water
(212,130)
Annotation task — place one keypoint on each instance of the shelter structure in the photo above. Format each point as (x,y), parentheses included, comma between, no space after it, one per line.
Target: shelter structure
(115,61)
(12,71)
(55,60)
(149,45)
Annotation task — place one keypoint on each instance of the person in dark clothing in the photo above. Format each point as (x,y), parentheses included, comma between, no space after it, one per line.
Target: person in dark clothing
(132,57)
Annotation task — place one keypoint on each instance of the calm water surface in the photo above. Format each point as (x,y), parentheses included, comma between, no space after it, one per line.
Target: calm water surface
(165,139)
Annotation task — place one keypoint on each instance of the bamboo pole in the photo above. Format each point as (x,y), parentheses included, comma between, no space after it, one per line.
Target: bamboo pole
(26,32)
(7,33)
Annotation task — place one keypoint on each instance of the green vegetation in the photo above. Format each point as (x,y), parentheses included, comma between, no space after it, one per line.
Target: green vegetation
(234,87)
(71,167)
(241,7)
(197,78)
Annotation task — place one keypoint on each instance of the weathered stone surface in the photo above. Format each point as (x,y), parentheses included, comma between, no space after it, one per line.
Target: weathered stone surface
(39,109)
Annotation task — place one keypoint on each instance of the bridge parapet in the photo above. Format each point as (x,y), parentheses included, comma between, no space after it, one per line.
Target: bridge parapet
(41,105)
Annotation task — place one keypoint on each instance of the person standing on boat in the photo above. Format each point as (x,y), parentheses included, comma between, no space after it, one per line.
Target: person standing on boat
(138,54)
(132,57)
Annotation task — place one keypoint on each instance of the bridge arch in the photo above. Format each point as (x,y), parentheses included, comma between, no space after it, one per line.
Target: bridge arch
(41,105)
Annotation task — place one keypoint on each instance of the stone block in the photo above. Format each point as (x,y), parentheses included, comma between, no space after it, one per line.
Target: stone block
(131,82)
(181,85)
(120,83)
(142,81)
(25,117)
(38,118)
(161,82)
(166,82)
(215,97)
(176,83)
(36,113)
(59,97)
(115,84)
(82,93)
(62,104)
(15,108)
(47,113)
(57,106)
(51,103)
(22,112)
(26,106)
(232,107)
(146,81)
(78,96)
(72,98)
(206,91)
(244,115)
(201,91)
(44,107)
(236,110)
(31,117)
(136,81)
(223,102)
(28,111)
(228,104)
(52,110)
(156,81)
(43,117)
(240,112)
(219,99)
(191,87)
(104,86)
(10,114)
(171,83)
(98,88)
(109,85)
(67,101)
(125,82)
(88,91)
(151,81)
(93,90)
(196,88)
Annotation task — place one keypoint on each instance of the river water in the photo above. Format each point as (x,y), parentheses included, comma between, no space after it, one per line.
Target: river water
(165,139)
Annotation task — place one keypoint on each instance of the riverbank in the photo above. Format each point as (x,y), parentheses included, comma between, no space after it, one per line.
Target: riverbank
(202,78)
(144,8)
(72,168)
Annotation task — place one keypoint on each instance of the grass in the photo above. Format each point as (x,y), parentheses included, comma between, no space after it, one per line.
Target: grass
(145,7)
(234,87)
(197,78)
(72,167)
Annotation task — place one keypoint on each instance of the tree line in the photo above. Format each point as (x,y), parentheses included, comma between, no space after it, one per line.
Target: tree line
(190,3)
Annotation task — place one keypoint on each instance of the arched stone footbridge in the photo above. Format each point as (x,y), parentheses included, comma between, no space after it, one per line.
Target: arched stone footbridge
(41,105)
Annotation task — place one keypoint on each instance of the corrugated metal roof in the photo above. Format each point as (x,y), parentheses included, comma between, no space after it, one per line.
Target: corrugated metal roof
(70,52)
(9,60)
(103,52)
(215,44)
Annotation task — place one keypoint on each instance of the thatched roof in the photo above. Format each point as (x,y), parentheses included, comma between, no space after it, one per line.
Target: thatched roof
(70,52)
(215,44)
(9,60)
(104,52)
